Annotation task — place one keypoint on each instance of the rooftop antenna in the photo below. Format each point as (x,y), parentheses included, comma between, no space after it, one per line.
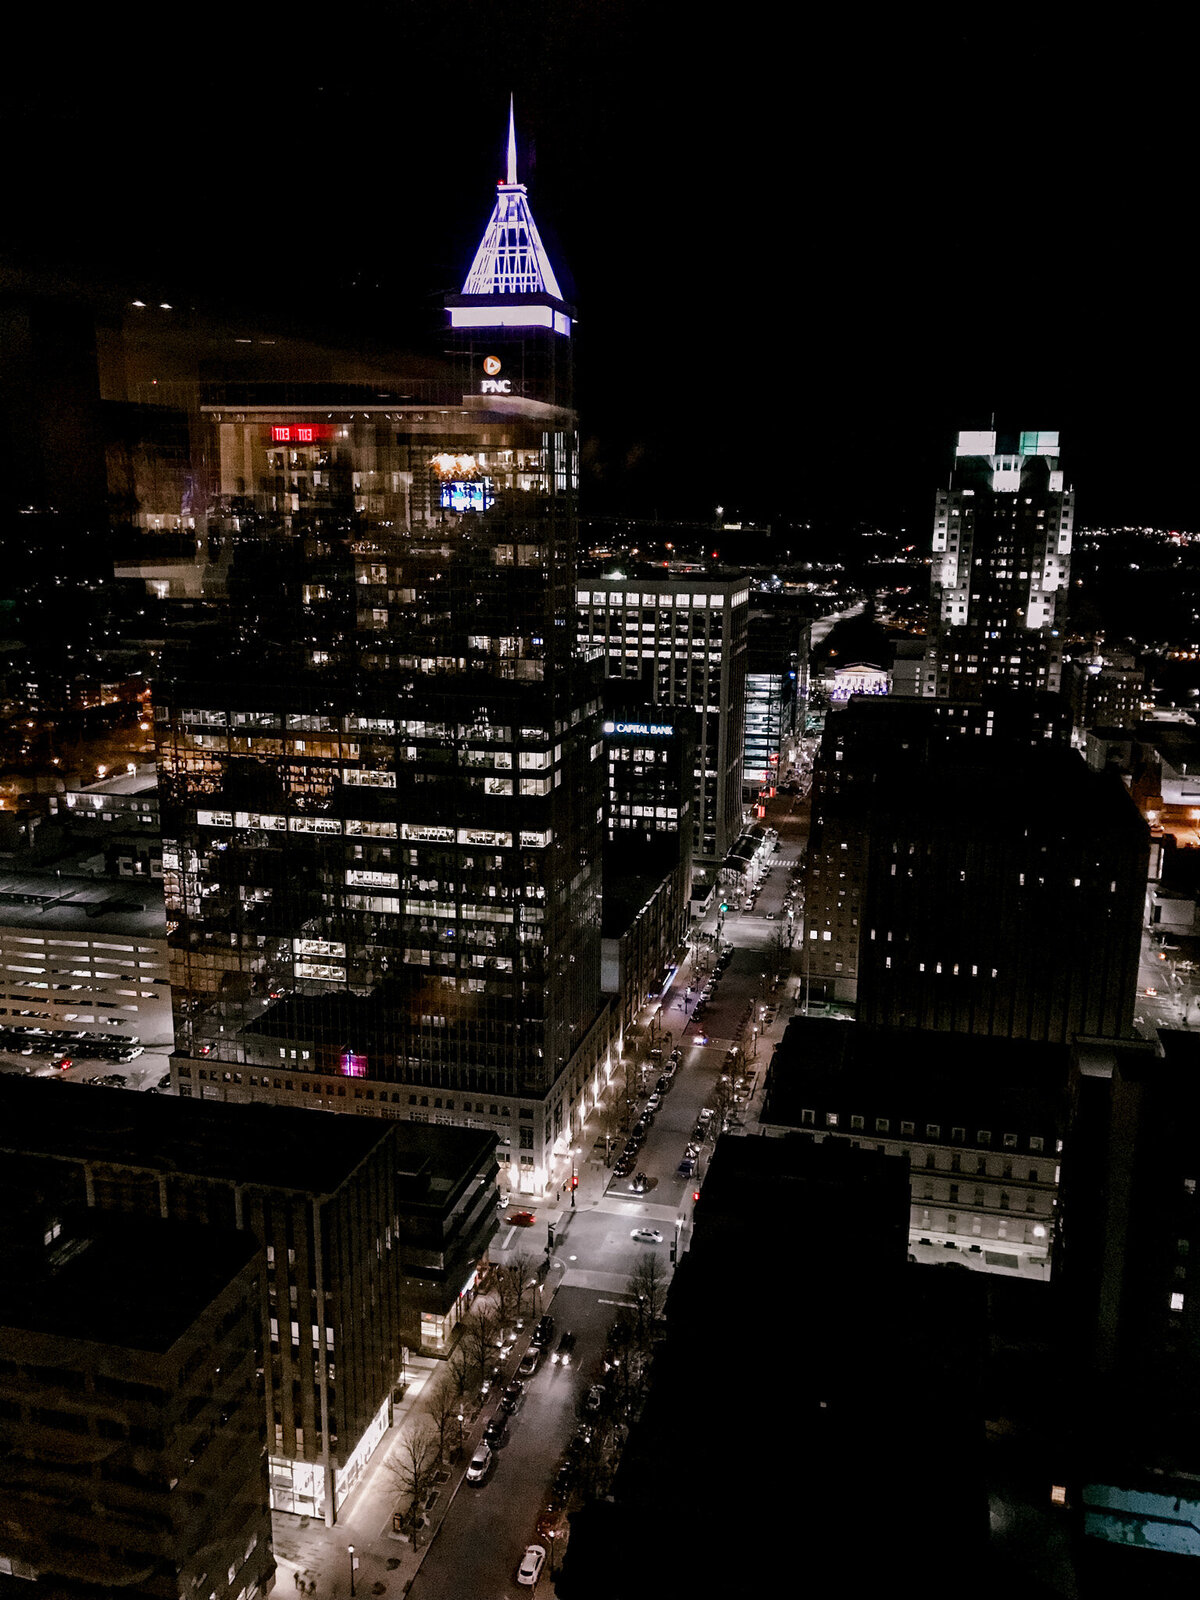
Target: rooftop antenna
(512,144)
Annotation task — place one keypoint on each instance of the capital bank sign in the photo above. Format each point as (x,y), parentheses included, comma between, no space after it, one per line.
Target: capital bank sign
(649,729)
(493,384)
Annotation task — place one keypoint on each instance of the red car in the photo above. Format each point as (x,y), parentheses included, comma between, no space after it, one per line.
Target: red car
(523,1219)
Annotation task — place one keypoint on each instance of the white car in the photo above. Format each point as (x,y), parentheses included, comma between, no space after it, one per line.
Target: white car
(531,1566)
(477,1470)
(646,1235)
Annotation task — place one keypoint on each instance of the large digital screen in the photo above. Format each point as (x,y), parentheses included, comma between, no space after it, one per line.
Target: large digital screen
(474,494)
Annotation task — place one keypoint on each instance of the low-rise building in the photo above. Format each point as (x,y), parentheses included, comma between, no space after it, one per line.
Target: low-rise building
(82,952)
(978,1120)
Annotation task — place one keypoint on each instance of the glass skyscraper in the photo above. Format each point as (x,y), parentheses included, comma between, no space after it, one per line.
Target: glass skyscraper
(381,766)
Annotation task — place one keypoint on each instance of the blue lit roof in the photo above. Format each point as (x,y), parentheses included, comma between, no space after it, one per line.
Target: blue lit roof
(511,258)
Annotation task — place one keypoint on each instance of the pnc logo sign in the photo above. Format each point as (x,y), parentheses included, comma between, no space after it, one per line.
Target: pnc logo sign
(495,386)
(491,365)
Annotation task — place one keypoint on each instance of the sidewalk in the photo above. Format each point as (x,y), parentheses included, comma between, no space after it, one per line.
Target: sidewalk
(313,1559)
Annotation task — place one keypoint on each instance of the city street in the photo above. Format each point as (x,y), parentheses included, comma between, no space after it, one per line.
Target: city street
(481,1541)
(478,1532)
(1168,993)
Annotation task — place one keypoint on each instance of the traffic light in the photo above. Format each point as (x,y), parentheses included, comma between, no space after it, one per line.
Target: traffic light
(695,1194)
(574,1180)
(724,905)
(550,1236)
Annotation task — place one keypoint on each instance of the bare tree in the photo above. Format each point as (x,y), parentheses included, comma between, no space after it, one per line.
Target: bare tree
(412,1470)
(445,1408)
(506,1292)
(523,1268)
(478,1331)
(648,1291)
(458,1372)
(724,1102)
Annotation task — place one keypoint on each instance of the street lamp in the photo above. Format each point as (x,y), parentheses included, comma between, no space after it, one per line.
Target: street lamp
(552,1535)
(353,1564)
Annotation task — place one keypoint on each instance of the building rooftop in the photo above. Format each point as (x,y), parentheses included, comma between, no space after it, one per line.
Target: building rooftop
(142,781)
(264,1146)
(134,1282)
(1006,1085)
(61,900)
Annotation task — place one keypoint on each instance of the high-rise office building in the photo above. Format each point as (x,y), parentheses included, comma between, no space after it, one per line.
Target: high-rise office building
(967,873)
(382,787)
(131,1425)
(647,847)
(1010,907)
(868,748)
(1001,555)
(772,696)
(1128,1226)
(371,1233)
(684,640)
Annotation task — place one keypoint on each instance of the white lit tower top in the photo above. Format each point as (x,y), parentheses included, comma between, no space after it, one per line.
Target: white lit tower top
(511,317)
(1002,534)
(1001,560)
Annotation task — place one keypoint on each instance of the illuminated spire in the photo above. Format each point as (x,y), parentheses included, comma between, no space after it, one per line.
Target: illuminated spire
(511,258)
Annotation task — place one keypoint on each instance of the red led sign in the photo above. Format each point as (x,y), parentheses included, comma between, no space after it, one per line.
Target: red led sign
(302,432)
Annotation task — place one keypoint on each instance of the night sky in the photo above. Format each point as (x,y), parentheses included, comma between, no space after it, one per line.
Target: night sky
(803,250)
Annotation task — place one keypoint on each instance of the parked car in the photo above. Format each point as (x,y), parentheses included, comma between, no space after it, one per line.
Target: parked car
(480,1462)
(531,1566)
(511,1396)
(496,1431)
(544,1332)
(529,1362)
